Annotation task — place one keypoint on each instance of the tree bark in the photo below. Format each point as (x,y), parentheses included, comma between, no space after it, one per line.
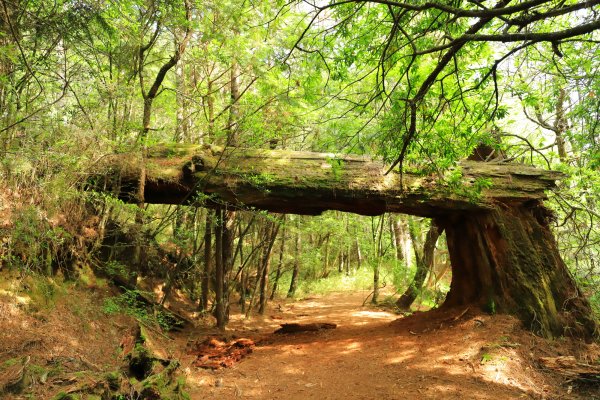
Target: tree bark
(400,240)
(220,306)
(507,261)
(358,254)
(232,124)
(305,183)
(424,264)
(296,270)
(208,269)
(210,106)
(272,230)
(560,125)
(182,124)
(279,264)
(229,219)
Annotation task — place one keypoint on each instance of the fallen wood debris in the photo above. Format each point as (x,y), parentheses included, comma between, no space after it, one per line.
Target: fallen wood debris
(573,370)
(215,353)
(295,328)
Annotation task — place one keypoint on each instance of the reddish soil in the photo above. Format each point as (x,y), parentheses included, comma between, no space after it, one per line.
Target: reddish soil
(370,354)
(68,339)
(373,354)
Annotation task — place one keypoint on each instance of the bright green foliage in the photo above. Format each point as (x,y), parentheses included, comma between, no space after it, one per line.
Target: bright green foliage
(73,74)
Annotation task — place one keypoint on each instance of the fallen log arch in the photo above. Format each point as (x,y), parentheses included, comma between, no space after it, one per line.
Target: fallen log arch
(503,254)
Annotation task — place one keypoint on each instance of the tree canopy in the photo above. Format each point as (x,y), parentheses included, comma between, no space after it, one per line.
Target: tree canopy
(434,66)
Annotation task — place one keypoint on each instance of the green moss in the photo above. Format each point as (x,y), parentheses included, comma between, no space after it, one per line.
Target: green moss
(113,379)
(65,396)
(490,306)
(259,180)
(337,167)
(11,361)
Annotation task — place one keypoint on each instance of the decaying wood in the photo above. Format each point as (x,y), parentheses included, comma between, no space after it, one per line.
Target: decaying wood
(295,328)
(309,183)
(503,254)
(573,370)
(215,353)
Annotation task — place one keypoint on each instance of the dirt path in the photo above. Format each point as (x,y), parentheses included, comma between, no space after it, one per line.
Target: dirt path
(371,355)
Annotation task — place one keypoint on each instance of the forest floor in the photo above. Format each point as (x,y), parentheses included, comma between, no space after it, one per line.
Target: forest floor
(375,354)
(371,354)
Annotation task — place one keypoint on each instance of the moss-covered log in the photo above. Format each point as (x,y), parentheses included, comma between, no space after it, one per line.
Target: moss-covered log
(504,257)
(310,183)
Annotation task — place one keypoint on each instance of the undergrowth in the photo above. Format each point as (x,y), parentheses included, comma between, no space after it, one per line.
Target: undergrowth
(130,303)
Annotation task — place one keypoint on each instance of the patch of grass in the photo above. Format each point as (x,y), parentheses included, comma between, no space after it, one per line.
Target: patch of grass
(10,362)
(43,291)
(485,358)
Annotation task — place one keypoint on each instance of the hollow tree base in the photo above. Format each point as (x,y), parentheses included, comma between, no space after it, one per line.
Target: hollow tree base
(507,261)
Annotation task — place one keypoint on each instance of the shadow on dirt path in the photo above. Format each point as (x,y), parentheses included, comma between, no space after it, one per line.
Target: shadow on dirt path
(374,355)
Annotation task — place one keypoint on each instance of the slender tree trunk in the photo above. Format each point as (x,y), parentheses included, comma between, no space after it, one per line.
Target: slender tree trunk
(435,278)
(326,257)
(9,34)
(232,126)
(560,125)
(208,269)
(358,254)
(279,264)
(296,270)
(243,290)
(181,121)
(375,297)
(377,240)
(210,105)
(347,260)
(229,219)
(220,306)
(138,256)
(225,250)
(424,264)
(273,229)
(398,236)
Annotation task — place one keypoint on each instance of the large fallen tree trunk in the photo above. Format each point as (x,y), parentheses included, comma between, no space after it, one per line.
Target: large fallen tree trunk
(310,183)
(504,256)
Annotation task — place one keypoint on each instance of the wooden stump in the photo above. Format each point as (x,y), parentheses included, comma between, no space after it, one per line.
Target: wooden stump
(507,261)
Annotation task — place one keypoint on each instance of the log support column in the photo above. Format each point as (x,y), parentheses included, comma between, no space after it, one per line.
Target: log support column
(507,261)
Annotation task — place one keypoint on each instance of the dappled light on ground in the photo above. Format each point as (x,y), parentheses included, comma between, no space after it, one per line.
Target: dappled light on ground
(374,354)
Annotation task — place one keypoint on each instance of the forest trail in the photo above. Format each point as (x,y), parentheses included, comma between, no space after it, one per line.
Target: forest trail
(373,354)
